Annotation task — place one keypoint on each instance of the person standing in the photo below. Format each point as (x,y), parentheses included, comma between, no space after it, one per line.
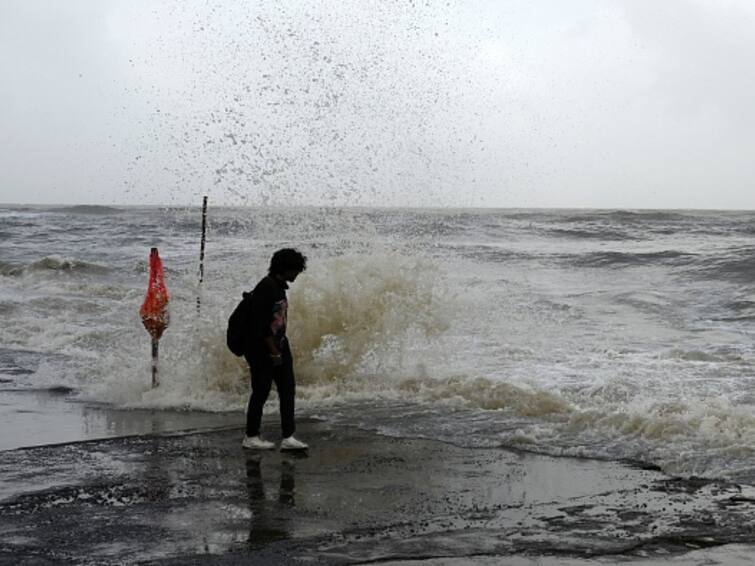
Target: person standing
(268,352)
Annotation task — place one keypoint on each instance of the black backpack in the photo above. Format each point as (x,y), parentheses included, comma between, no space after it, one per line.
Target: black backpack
(237,335)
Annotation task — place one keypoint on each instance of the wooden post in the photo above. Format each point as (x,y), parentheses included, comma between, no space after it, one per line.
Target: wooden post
(201,251)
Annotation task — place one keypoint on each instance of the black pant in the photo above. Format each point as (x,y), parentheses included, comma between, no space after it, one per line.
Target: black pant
(263,376)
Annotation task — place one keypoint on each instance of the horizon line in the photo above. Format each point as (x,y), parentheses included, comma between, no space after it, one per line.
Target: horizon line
(366,207)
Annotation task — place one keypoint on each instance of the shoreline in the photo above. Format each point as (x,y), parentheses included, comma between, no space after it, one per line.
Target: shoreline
(82,420)
(355,497)
(47,417)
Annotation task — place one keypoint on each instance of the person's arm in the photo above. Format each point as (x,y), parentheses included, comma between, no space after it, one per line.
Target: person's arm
(263,301)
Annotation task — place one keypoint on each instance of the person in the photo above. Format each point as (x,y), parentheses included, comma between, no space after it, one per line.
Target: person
(268,352)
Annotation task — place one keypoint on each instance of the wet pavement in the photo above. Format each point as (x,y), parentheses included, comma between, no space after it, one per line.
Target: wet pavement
(355,497)
(52,416)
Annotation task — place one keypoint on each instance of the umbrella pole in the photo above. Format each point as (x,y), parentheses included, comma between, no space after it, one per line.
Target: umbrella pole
(155,380)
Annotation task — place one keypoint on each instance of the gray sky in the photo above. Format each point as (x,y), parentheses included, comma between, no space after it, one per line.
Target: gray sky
(526,103)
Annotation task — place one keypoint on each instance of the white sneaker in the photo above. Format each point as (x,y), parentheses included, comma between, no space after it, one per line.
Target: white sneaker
(256,443)
(291,443)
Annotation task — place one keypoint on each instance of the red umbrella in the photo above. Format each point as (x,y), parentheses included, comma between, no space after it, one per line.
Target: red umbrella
(154,311)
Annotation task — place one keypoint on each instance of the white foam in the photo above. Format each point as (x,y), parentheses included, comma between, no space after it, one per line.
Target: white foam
(566,360)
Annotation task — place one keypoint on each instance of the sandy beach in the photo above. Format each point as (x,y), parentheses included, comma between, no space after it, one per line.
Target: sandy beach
(356,497)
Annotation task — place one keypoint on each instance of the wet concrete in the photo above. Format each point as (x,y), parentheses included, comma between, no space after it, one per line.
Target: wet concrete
(355,497)
(38,417)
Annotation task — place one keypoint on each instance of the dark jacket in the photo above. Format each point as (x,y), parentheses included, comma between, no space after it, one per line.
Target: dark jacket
(268,318)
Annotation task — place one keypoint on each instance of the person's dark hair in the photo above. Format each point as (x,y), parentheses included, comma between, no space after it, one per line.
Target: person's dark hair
(287,259)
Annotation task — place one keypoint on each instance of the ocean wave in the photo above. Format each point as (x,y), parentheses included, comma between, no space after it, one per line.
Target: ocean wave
(703,356)
(361,312)
(426,325)
(351,316)
(87,209)
(52,263)
(491,395)
(432,227)
(708,438)
(593,233)
(7,308)
(628,216)
(627,259)
(58,263)
(11,269)
(507,400)
(688,438)
(643,225)
(488,253)
(217,226)
(740,306)
(736,265)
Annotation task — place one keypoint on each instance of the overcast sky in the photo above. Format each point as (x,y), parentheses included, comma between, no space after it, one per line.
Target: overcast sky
(526,103)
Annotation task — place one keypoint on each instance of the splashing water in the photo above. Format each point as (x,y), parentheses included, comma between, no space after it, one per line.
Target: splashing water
(485,328)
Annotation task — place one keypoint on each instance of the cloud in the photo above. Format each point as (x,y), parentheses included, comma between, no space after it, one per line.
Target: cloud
(59,100)
(624,103)
(703,54)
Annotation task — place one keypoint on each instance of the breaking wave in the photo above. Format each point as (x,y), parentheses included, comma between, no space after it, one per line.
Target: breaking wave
(517,329)
(351,317)
(10,269)
(57,263)
(52,263)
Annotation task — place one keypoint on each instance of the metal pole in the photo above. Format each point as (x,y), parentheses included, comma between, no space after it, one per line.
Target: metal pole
(201,251)
(155,380)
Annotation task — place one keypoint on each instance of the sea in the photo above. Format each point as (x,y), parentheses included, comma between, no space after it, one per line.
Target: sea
(611,334)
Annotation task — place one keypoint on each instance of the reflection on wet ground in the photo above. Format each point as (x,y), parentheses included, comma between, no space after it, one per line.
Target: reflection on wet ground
(265,524)
(355,497)
(50,416)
